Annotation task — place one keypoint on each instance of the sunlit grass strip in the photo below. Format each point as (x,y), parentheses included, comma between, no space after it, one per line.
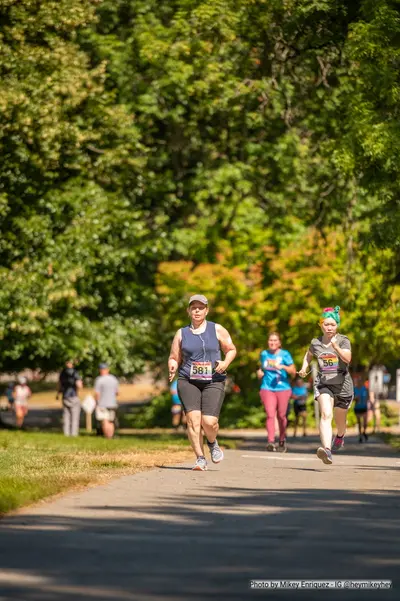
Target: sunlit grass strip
(34,465)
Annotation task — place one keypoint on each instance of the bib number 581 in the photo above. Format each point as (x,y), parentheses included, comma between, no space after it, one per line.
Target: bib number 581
(201,370)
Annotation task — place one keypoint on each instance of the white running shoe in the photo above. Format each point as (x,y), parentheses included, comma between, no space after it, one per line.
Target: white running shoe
(200,465)
(325,455)
(217,453)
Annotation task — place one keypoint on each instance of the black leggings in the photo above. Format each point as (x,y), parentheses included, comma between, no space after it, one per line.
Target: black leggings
(206,397)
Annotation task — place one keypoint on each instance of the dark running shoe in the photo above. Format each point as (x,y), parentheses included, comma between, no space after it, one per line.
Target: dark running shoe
(282,447)
(271,447)
(337,444)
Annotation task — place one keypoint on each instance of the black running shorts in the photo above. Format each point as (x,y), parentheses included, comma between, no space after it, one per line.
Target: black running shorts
(299,408)
(343,401)
(206,397)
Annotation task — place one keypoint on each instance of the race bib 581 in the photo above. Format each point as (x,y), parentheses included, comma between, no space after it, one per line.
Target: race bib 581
(201,370)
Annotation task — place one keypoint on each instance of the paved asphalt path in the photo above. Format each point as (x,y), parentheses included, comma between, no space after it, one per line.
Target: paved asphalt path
(174,534)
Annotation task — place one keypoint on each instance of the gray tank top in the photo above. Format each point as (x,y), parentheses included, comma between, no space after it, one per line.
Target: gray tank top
(200,352)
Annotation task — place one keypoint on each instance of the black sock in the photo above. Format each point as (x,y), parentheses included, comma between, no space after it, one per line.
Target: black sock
(340,436)
(211,443)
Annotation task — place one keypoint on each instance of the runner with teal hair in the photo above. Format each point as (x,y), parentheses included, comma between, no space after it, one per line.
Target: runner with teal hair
(333,386)
(330,312)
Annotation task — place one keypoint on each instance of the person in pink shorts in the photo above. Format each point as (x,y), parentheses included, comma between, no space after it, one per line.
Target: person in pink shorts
(276,368)
(21,394)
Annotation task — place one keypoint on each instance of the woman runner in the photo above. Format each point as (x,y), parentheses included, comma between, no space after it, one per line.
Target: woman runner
(276,367)
(21,395)
(196,351)
(333,386)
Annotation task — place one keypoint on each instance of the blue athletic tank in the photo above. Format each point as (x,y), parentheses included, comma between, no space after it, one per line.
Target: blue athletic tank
(361,398)
(200,350)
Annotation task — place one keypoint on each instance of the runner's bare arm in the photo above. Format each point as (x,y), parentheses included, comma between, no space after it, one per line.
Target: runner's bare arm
(344,353)
(290,369)
(175,355)
(260,373)
(306,362)
(228,348)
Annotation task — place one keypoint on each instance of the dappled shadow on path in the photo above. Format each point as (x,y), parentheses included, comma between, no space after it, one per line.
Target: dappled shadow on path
(204,546)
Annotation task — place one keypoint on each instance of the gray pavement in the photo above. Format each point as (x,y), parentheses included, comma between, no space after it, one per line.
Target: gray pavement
(174,534)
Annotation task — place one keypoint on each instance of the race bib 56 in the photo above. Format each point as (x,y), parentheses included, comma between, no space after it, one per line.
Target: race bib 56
(329,362)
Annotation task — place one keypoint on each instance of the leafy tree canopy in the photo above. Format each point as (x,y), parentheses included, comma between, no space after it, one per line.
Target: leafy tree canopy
(247,149)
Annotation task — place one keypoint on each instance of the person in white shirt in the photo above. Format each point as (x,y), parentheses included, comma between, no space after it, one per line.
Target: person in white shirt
(106,389)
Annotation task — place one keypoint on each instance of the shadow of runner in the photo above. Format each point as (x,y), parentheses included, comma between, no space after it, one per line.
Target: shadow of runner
(174,467)
(208,547)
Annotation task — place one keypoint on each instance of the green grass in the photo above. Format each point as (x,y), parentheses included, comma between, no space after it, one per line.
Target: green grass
(36,465)
(392,439)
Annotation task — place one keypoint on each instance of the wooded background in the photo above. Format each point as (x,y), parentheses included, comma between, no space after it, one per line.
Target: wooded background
(245,149)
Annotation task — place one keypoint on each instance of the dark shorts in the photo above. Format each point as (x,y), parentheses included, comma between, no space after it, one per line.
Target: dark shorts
(343,401)
(360,411)
(206,397)
(299,408)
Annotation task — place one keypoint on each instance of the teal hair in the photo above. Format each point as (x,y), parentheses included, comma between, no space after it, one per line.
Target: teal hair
(331,312)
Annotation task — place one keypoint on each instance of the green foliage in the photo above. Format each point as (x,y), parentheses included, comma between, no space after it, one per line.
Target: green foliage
(72,243)
(243,411)
(35,466)
(157,414)
(285,291)
(373,48)
(248,149)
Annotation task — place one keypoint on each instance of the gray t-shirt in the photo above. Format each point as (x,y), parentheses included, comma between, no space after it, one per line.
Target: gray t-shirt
(331,369)
(107,388)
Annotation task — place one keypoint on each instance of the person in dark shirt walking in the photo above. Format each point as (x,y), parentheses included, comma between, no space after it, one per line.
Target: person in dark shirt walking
(68,385)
